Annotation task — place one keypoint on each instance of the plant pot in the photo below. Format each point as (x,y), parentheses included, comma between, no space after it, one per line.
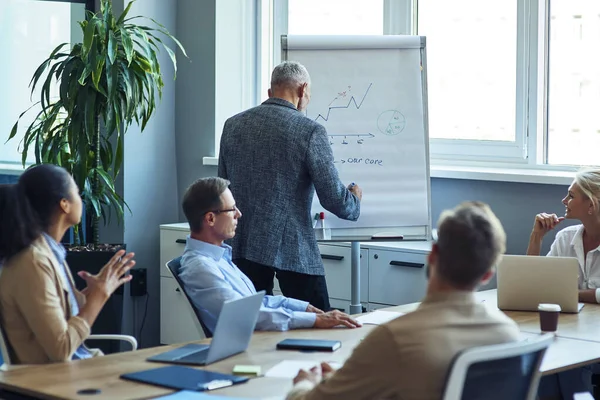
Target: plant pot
(109,319)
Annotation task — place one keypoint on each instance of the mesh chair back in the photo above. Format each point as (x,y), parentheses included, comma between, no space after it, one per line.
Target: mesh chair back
(174,266)
(504,371)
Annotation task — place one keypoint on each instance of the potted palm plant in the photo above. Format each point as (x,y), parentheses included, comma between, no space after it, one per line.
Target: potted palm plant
(103,85)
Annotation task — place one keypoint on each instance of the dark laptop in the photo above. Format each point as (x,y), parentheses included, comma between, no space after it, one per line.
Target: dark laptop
(231,336)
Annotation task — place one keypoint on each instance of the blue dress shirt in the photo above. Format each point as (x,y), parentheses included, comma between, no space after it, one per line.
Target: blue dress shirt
(60,253)
(211,278)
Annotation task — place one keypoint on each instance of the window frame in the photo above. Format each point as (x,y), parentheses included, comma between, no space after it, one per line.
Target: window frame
(524,160)
(16,167)
(529,150)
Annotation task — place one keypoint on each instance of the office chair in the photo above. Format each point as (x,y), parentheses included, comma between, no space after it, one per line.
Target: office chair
(498,372)
(173,266)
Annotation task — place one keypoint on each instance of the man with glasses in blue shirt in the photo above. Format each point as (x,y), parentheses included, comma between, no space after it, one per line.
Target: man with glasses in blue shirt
(210,277)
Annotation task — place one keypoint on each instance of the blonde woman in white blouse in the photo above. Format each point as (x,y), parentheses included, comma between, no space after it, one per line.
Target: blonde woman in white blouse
(581,241)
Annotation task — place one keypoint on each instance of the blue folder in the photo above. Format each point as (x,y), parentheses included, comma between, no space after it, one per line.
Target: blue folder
(185,378)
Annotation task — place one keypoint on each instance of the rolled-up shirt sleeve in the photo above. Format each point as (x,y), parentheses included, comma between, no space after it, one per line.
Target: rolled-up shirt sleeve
(286,302)
(285,313)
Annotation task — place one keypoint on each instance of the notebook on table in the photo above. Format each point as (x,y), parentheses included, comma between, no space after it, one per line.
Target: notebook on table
(309,344)
(184,378)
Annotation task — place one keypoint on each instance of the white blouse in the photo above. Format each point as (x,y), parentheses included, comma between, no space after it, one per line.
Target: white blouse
(569,243)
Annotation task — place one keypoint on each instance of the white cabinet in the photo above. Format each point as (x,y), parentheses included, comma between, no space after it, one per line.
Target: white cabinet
(176,322)
(172,244)
(376,306)
(396,277)
(342,305)
(337,263)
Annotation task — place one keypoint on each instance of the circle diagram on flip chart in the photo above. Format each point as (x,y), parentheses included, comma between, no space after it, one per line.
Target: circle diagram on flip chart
(391,122)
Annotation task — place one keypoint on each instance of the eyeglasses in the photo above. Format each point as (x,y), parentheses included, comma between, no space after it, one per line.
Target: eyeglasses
(234,209)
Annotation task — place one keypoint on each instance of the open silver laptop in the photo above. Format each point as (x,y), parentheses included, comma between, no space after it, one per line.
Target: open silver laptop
(231,336)
(526,281)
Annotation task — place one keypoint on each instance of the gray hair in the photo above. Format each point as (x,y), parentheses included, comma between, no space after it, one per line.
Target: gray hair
(471,240)
(289,73)
(588,180)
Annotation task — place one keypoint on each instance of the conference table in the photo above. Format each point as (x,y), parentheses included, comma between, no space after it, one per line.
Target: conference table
(574,346)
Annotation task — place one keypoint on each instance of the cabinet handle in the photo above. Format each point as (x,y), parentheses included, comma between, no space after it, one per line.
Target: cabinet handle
(406,264)
(177,290)
(182,241)
(331,257)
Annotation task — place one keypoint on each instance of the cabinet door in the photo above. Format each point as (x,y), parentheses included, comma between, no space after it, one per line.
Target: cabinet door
(176,322)
(336,260)
(396,277)
(172,244)
(341,305)
(377,306)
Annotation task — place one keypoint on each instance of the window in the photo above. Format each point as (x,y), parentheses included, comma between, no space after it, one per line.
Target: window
(509,82)
(464,68)
(29,31)
(475,67)
(335,17)
(574,82)
(312,17)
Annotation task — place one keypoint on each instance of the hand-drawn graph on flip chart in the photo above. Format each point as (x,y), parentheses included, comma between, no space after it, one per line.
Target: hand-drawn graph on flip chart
(370,94)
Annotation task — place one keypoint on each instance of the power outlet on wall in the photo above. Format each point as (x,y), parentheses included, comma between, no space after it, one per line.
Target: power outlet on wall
(137,285)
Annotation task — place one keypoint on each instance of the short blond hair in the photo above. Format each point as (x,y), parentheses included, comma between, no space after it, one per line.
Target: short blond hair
(471,240)
(588,180)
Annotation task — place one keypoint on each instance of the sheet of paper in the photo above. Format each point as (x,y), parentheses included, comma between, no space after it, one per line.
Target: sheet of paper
(583,396)
(190,395)
(290,368)
(378,317)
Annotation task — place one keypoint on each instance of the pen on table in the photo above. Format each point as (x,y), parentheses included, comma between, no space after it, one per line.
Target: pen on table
(316,218)
(322,218)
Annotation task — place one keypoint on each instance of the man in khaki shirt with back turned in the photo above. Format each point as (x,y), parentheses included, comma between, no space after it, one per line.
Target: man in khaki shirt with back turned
(409,357)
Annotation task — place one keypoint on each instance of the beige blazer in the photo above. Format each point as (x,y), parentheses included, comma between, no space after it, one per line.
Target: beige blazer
(409,357)
(35,309)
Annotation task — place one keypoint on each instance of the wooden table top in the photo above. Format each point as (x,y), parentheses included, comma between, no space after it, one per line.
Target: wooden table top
(64,380)
(584,325)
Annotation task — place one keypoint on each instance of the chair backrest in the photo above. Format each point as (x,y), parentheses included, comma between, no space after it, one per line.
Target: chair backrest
(502,371)
(6,360)
(173,266)
(4,349)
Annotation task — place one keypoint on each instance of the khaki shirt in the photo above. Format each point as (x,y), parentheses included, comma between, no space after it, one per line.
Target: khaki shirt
(409,357)
(35,311)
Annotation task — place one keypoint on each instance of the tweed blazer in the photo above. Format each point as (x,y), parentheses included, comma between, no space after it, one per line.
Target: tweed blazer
(35,309)
(275,158)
